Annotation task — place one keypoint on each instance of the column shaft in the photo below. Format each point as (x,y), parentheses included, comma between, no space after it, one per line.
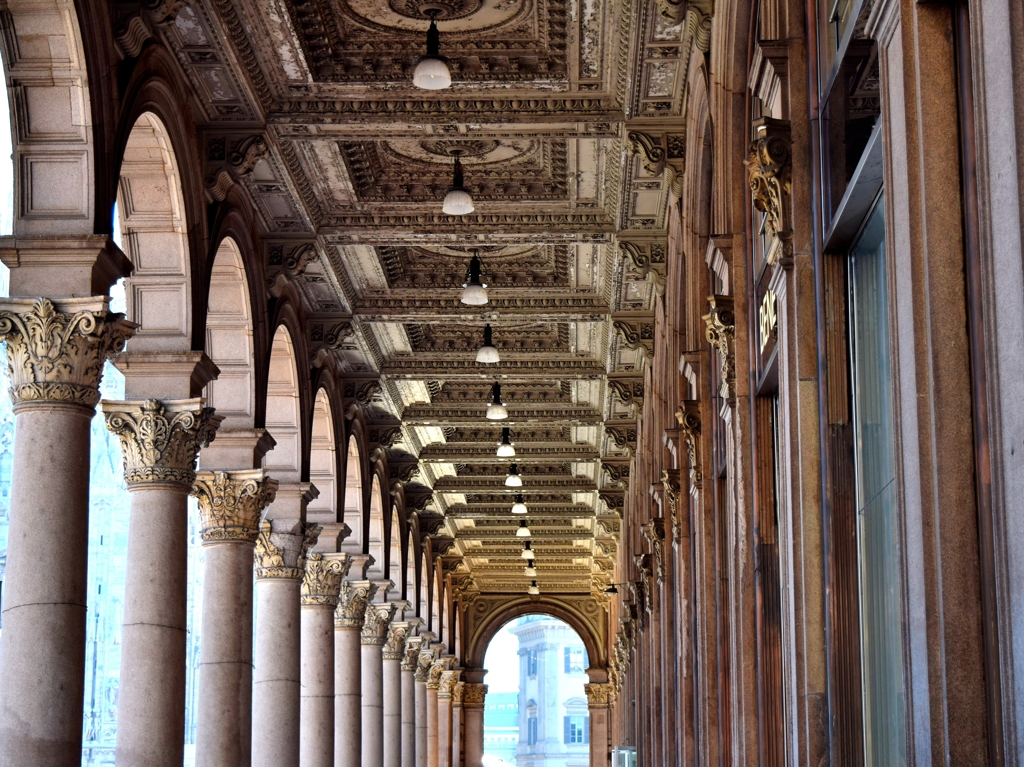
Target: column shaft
(432,727)
(372,706)
(473,697)
(408,722)
(347,697)
(42,650)
(422,748)
(316,706)
(393,712)
(275,709)
(444,731)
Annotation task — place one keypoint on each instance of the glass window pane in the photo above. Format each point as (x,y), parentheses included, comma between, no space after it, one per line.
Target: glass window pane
(877,534)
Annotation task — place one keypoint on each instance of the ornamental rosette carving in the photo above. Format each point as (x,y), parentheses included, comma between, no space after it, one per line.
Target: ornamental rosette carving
(288,562)
(473,694)
(598,695)
(352,601)
(769,172)
(231,504)
(321,583)
(721,334)
(688,416)
(446,684)
(160,440)
(375,623)
(394,645)
(411,654)
(57,354)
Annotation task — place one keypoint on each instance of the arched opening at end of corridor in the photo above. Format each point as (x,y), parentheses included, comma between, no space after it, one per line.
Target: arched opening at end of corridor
(535,710)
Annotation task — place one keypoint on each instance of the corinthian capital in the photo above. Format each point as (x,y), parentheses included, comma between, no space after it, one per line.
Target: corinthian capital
(448,681)
(322,581)
(598,695)
(231,503)
(352,603)
(56,351)
(160,440)
(473,694)
(375,623)
(721,334)
(394,645)
(283,554)
(411,654)
(437,668)
(426,659)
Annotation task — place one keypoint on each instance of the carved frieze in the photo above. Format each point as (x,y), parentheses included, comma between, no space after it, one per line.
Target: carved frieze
(56,351)
(160,440)
(231,504)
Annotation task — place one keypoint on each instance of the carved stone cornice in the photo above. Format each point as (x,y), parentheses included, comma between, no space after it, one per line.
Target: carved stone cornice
(321,584)
(672,490)
(375,623)
(55,352)
(232,503)
(598,695)
(721,334)
(160,440)
(394,644)
(447,682)
(411,654)
(769,172)
(286,562)
(654,531)
(473,694)
(352,601)
(688,416)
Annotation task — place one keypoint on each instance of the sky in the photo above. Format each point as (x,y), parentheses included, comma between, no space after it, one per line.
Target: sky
(502,662)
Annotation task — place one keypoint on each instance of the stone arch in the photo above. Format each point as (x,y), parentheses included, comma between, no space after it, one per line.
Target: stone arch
(484,630)
(353,498)
(284,410)
(154,236)
(229,339)
(375,529)
(323,462)
(53,142)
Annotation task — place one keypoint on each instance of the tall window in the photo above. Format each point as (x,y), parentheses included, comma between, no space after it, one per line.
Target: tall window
(531,731)
(875,475)
(577,729)
(531,663)
(575,659)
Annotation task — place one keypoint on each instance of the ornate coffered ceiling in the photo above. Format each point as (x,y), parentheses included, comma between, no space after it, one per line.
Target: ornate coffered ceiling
(567,115)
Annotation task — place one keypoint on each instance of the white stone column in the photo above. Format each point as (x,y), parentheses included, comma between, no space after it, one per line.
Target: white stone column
(473,697)
(433,683)
(55,352)
(423,664)
(445,735)
(159,444)
(374,634)
(281,551)
(391,655)
(230,505)
(348,622)
(599,698)
(320,588)
(410,660)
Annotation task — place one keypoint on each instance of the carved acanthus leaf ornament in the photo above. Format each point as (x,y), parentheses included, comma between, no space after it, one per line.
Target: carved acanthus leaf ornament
(769,170)
(411,654)
(654,532)
(375,623)
(598,695)
(232,503)
(55,353)
(288,562)
(447,682)
(670,485)
(321,584)
(473,694)
(394,645)
(721,334)
(688,416)
(161,440)
(352,602)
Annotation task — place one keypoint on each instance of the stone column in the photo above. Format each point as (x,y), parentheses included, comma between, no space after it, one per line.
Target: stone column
(55,355)
(410,660)
(159,443)
(423,664)
(394,648)
(230,505)
(348,622)
(473,696)
(437,667)
(320,589)
(281,551)
(372,638)
(446,688)
(599,698)
(456,736)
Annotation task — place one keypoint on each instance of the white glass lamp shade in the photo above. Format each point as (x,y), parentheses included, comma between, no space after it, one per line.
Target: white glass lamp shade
(528,552)
(474,295)
(513,479)
(530,571)
(519,507)
(496,412)
(487,355)
(506,450)
(432,74)
(523,531)
(458,202)
(533,590)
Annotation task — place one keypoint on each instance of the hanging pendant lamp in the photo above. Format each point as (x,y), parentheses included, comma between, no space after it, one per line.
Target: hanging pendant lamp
(524,530)
(431,71)
(519,507)
(506,448)
(496,409)
(487,354)
(533,589)
(527,552)
(458,201)
(513,479)
(530,571)
(474,292)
